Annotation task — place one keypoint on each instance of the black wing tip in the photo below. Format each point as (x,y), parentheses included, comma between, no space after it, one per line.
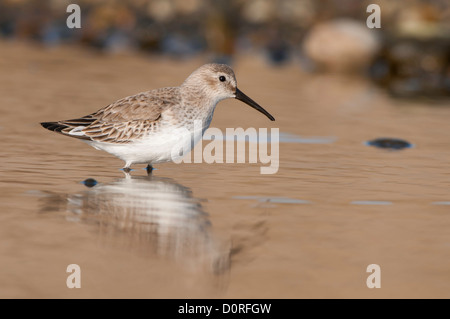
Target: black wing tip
(53,126)
(47,124)
(59,127)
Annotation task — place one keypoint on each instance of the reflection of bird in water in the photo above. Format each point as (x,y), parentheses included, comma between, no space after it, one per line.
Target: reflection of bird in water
(154,215)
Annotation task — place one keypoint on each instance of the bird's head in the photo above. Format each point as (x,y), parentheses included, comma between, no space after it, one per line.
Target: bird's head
(218,82)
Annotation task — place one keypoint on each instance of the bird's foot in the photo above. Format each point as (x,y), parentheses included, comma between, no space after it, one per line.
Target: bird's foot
(126,169)
(149,169)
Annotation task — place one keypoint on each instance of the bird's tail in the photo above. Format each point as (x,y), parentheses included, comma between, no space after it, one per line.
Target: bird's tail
(54,126)
(67,128)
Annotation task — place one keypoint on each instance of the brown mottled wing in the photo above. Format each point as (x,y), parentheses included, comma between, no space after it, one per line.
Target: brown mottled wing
(124,120)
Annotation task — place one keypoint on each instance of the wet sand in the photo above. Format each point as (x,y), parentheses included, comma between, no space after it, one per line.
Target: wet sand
(184,232)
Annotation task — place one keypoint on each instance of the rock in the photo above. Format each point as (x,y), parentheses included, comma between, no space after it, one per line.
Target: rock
(389,143)
(341,45)
(89,182)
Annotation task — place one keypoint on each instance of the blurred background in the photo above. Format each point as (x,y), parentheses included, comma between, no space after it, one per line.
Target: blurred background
(364,150)
(409,55)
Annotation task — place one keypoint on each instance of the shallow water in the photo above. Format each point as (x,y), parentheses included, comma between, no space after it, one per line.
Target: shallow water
(334,207)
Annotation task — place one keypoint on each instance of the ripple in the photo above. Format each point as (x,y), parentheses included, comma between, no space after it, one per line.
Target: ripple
(280,200)
(441,203)
(283,138)
(370,202)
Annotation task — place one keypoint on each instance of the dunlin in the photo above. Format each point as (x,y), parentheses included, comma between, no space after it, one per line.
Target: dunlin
(146,128)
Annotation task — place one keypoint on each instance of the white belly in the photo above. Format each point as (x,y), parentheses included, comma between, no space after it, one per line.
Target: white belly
(163,146)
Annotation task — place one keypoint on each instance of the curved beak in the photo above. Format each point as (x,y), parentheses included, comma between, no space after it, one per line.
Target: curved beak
(244,98)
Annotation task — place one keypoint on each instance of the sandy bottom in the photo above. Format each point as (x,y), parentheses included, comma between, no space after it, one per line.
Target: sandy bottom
(220,230)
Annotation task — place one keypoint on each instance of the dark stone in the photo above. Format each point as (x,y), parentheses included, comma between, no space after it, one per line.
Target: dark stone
(89,182)
(390,143)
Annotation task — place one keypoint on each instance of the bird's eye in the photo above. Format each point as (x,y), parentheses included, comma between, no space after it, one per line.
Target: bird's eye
(222,78)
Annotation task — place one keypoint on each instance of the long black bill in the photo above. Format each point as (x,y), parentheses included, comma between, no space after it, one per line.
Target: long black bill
(244,98)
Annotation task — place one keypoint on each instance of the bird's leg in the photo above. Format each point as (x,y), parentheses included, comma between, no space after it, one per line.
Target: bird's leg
(149,169)
(126,169)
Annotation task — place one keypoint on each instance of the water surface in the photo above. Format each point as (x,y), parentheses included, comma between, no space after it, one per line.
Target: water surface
(220,230)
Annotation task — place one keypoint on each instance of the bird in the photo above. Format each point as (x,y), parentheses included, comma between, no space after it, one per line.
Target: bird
(159,125)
